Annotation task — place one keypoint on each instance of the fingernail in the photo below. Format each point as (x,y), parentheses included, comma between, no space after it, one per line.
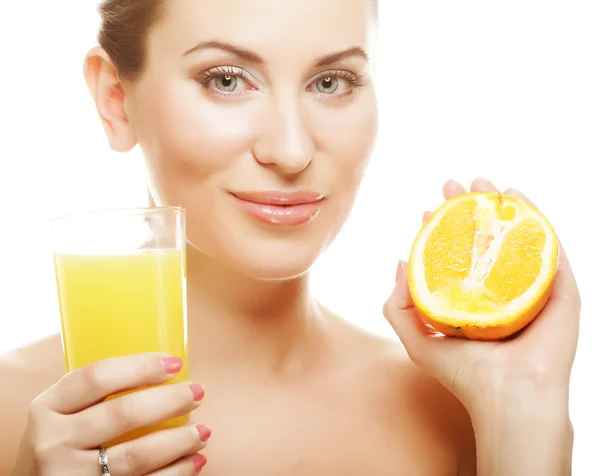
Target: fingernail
(199,462)
(400,270)
(453,183)
(197,391)
(204,432)
(172,365)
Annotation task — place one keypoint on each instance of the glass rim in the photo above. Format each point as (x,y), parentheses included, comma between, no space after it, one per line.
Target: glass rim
(119,212)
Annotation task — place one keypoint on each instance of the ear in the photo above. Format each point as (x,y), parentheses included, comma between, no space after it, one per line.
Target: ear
(109,95)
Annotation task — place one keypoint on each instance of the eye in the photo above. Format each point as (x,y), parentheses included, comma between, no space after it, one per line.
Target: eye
(327,85)
(335,84)
(226,81)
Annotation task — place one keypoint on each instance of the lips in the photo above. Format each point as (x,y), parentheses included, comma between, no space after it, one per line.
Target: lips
(280,208)
(280,198)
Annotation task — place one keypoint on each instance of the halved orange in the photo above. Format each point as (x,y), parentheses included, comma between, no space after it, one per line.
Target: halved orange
(482,266)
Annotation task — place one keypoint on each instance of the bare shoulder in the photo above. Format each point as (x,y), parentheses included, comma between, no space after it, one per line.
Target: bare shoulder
(412,405)
(25,373)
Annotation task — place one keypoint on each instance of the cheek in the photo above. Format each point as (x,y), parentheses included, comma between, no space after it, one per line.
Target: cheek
(187,139)
(348,136)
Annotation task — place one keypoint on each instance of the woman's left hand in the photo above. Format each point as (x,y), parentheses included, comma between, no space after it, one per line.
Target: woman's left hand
(509,384)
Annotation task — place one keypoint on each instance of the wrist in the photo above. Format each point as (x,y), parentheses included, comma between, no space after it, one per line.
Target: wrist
(524,430)
(521,400)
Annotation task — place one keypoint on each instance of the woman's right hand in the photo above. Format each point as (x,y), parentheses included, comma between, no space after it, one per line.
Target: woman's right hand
(70,421)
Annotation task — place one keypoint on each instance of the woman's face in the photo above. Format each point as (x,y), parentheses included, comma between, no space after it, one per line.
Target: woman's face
(249,106)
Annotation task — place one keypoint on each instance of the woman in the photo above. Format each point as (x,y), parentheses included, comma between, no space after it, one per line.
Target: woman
(237,103)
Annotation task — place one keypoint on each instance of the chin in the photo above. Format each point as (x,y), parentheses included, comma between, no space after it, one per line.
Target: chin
(261,251)
(277,272)
(275,263)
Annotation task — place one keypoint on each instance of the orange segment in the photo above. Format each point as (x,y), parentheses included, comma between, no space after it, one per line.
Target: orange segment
(519,261)
(482,266)
(447,255)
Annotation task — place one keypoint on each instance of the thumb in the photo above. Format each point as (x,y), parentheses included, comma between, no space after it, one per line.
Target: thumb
(404,318)
(438,355)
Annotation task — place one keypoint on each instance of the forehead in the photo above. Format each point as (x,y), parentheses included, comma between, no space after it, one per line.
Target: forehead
(270,27)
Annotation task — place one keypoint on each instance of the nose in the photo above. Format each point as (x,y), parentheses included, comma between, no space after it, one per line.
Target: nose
(285,141)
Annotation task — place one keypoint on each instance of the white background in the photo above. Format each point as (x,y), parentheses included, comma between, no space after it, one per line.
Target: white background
(509,90)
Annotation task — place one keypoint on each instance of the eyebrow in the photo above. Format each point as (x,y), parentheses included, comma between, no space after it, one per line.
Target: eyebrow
(340,55)
(254,58)
(242,53)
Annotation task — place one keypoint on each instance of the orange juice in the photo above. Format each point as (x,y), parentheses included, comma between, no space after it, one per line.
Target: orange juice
(118,305)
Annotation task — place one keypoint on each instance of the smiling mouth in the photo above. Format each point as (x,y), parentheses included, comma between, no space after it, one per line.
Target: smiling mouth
(281,208)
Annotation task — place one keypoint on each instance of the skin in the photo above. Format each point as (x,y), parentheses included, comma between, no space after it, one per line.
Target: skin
(290,387)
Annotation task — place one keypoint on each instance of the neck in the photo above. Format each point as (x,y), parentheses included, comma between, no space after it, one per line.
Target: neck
(248,325)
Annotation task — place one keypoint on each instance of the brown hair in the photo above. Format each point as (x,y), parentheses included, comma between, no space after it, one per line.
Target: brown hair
(123,32)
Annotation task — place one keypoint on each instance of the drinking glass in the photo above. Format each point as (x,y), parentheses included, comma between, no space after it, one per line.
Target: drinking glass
(121,281)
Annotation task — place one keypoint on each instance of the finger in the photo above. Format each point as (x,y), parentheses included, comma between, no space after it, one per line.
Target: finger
(184,467)
(482,185)
(427,215)
(558,322)
(516,193)
(565,285)
(156,450)
(400,312)
(91,384)
(116,417)
(452,188)
(437,354)
(560,316)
